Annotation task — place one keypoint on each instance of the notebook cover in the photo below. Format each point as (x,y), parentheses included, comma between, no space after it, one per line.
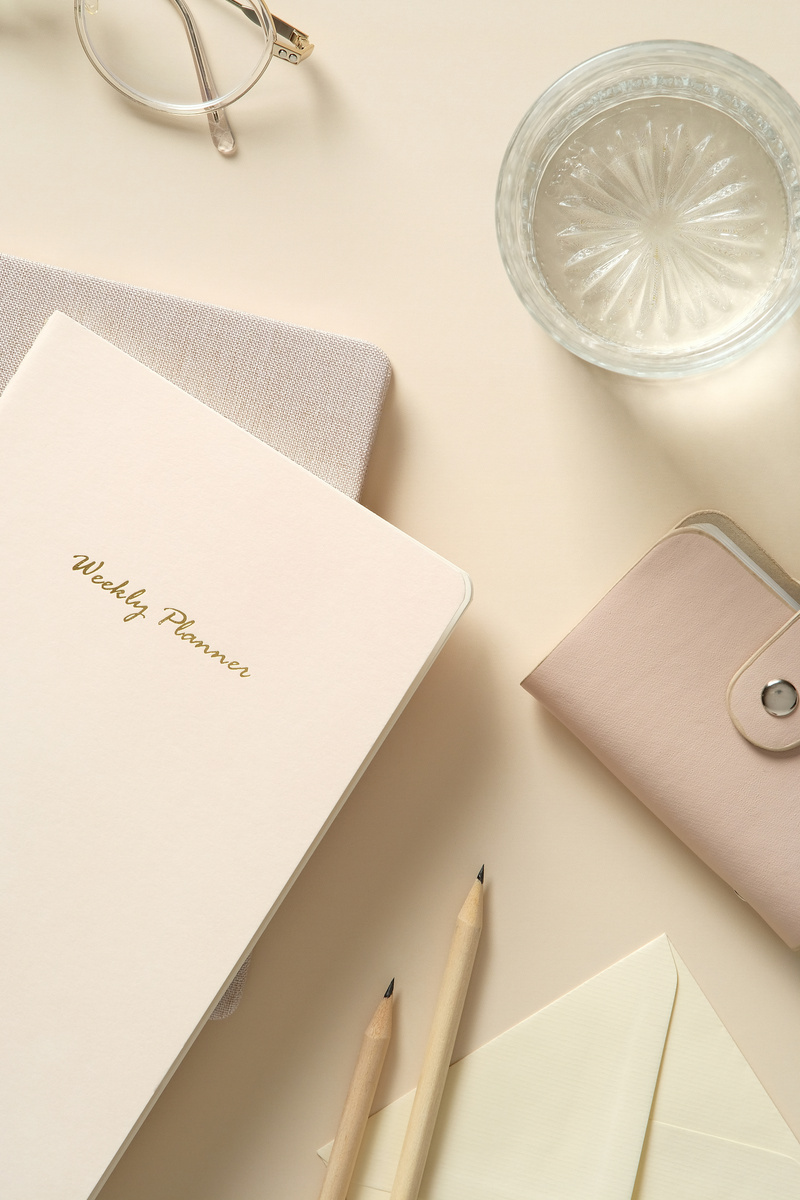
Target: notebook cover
(208,644)
(316,397)
(648,682)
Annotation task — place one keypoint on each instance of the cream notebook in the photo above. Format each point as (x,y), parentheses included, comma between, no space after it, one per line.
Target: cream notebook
(204,645)
(314,396)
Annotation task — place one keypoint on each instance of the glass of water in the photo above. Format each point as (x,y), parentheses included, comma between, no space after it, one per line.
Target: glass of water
(648,208)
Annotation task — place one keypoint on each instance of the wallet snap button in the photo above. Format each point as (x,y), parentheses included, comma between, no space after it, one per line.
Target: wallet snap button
(779,697)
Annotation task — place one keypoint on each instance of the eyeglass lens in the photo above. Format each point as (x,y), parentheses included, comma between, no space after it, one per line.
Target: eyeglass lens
(143,43)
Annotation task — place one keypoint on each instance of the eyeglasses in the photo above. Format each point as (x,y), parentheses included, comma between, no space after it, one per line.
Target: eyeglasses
(140,48)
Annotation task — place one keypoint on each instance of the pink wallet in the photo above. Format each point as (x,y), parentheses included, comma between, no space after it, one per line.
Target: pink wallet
(684,681)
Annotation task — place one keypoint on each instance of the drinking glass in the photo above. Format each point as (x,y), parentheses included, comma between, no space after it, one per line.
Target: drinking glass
(648,208)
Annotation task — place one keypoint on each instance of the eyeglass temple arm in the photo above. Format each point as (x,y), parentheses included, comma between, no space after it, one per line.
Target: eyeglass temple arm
(219,128)
(299,46)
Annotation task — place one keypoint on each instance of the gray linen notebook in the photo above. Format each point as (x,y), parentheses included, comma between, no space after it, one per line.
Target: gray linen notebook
(314,396)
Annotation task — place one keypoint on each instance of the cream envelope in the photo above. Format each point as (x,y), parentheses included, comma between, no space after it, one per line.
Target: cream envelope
(628,1088)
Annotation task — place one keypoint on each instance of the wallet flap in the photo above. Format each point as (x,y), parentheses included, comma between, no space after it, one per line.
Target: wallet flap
(763,694)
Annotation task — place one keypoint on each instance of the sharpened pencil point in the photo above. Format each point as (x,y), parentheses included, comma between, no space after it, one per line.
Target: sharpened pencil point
(389,991)
(480,873)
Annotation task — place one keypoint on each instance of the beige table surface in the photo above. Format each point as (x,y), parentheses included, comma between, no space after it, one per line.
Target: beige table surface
(362,202)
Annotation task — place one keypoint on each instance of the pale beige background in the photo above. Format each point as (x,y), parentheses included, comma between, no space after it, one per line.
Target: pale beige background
(362,202)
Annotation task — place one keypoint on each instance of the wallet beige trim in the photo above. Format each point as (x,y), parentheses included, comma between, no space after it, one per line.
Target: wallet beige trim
(745,543)
(777,659)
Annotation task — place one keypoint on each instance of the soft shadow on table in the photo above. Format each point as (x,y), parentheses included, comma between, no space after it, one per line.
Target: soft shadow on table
(296,1021)
(735,433)
(33,20)
(386,455)
(361,903)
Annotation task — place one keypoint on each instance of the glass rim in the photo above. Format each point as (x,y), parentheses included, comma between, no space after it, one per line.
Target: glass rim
(267,25)
(539,126)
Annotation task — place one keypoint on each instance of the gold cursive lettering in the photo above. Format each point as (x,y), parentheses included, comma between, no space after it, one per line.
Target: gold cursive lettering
(141,609)
(87,567)
(182,623)
(84,565)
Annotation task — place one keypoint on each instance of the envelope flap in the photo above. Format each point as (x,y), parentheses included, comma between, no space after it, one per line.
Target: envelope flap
(763,694)
(555,1108)
(707,1085)
(685,1164)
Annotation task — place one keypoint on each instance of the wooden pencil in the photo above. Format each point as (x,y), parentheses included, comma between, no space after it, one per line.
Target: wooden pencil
(439,1051)
(358,1102)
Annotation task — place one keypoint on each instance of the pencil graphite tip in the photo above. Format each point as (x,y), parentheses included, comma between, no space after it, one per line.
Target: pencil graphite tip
(480,873)
(389,991)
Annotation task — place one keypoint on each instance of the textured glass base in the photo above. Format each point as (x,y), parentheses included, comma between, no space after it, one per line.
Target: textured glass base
(660,223)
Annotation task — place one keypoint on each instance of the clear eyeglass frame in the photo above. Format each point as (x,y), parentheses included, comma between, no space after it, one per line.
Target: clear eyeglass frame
(281,40)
